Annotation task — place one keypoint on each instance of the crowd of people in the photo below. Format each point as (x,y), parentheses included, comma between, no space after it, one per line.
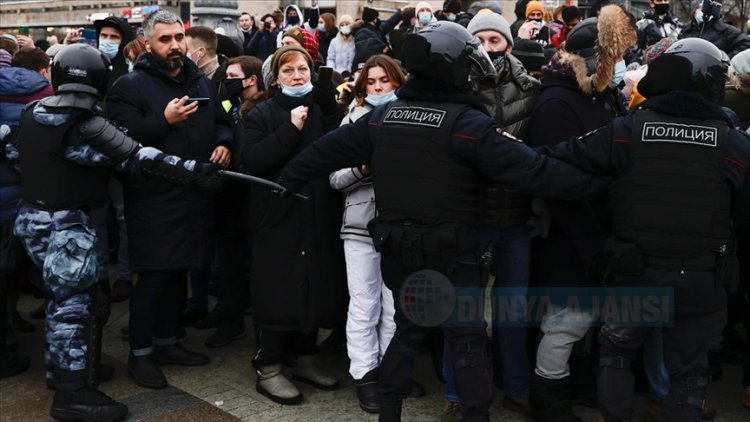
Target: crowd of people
(128,145)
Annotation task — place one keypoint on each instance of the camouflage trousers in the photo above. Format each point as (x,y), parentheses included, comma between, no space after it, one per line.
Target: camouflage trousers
(62,244)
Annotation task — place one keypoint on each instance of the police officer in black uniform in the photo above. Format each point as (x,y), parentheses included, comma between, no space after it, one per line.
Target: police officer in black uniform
(64,149)
(679,167)
(431,152)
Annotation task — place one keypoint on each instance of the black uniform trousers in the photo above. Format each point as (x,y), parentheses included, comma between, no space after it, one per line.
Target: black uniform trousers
(156,303)
(468,340)
(699,304)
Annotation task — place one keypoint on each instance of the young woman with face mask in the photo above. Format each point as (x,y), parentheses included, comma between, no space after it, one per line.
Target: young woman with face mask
(298,274)
(341,51)
(327,32)
(370,325)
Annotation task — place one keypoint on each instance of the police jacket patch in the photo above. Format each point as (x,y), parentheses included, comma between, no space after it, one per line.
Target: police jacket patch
(417,116)
(678,133)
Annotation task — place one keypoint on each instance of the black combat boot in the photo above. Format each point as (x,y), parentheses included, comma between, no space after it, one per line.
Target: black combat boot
(390,411)
(75,400)
(367,392)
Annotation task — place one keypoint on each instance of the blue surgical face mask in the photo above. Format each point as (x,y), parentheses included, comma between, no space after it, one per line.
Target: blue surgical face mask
(321,27)
(380,99)
(109,48)
(425,18)
(699,17)
(451,17)
(297,91)
(619,74)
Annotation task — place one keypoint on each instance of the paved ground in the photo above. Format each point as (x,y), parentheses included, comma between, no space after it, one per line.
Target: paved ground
(224,390)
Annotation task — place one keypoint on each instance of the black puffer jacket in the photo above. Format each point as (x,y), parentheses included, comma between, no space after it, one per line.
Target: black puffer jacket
(724,36)
(511,100)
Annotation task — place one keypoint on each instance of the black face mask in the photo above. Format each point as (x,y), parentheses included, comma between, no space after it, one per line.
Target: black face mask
(498,60)
(536,20)
(292,20)
(661,8)
(234,87)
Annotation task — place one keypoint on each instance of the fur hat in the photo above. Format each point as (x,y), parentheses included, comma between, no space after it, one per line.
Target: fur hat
(534,6)
(275,61)
(486,20)
(595,45)
(369,14)
(453,6)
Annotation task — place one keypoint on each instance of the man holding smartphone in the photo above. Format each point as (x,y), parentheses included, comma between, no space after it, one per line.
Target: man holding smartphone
(168,227)
(263,42)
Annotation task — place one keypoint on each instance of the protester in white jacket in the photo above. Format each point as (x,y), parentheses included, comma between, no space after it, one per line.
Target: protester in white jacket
(341,50)
(370,325)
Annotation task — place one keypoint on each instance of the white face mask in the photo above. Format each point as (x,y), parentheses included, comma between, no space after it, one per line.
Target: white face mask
(425,18)
(297,91)
(619,74)
(346,29)
(380,99)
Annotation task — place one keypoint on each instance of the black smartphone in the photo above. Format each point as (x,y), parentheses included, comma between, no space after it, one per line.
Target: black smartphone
(202,101)
(89,36)
(324,75)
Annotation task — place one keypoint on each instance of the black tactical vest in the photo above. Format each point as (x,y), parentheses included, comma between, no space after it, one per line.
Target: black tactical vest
(414,172)
(48,179)
(674,202)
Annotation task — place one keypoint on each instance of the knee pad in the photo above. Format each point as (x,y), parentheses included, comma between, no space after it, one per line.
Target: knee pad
(690,391)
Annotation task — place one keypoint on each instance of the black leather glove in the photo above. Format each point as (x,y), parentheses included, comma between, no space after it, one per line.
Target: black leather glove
(207,177)
(325,97)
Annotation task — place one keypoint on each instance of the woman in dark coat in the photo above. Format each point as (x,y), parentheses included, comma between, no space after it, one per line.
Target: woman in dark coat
(298,270)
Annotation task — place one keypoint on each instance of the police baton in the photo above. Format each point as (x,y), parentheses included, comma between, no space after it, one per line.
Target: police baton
(258,181)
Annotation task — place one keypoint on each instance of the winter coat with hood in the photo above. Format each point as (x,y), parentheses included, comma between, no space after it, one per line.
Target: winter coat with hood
(510,99)
(119,65)
(298,271)
(308,22)
(18,86)
(572,102)
(652,28)
(168,225)
(717,31)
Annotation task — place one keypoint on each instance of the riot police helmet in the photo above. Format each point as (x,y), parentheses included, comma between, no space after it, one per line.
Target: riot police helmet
(80,68)
(691,64)
(445,51)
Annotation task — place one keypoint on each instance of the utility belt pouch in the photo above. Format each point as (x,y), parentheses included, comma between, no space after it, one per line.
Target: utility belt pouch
(627,258)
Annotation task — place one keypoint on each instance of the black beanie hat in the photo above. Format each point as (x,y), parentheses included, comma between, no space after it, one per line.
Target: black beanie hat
(369,14)
(530,53)
(570,13)
(453,6)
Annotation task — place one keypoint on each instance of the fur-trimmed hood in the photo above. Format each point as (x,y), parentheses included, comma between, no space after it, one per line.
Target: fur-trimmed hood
(615,35)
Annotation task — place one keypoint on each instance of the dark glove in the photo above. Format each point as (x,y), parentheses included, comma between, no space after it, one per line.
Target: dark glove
(325,97)
(207,177)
